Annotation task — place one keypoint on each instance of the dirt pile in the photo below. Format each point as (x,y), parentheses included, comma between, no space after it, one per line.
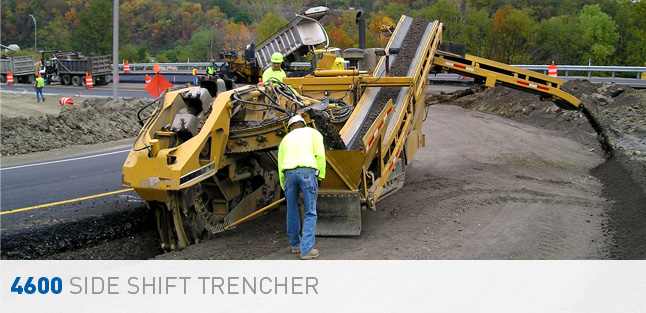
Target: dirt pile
(90,122)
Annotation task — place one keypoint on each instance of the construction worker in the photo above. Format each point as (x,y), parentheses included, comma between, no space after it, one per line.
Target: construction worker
(195,82)
(274,71)
(210,71)
(301,166)
(39,85)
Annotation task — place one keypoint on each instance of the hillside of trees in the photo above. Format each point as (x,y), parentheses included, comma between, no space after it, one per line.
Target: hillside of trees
(603,32)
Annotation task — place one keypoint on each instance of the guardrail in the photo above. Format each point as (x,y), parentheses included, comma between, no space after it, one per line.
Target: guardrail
(167,66)
(588,68)
(539,68)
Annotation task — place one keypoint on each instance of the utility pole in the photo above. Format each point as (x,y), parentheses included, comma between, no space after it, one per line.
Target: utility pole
(115,51)
(35,51)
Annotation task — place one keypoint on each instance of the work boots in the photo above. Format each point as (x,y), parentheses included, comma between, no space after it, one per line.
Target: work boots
(313,255)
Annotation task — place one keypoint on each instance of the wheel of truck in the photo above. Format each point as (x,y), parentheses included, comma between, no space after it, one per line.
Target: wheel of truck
(30,79)
(77,81)
(106,79)
(66,80)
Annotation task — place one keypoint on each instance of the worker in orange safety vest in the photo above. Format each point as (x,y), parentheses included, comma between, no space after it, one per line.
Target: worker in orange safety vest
(195,82)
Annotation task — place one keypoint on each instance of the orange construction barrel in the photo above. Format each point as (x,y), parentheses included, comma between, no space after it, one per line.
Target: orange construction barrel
(88,81)
(551,70)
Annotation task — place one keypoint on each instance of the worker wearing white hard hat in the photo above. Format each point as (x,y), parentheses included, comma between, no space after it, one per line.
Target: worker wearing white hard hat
(301,165)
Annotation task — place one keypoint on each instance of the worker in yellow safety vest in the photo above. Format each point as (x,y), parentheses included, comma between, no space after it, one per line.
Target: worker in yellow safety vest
(210,71)
(195,82)
(274,72)
(301,166)
(39,85)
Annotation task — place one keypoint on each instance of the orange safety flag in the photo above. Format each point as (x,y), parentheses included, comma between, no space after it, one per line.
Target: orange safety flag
(157,85)
(156,68)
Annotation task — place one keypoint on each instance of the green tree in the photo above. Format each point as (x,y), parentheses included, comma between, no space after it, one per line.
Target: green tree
(94,34)
(512,35)
(477,32)
(198,48)
(559,40)
(127,52)
(447,12)
(269,25)
(394,10)
(598,35)
(636,47)
(243,17)
(55,36)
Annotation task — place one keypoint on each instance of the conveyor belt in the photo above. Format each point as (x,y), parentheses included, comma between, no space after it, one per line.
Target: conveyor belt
(400,101)
(493,73)
(352,128)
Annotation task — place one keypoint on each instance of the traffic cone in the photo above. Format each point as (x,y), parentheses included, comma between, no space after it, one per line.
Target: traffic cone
(88,81)
(65,100)
(9,78)
(148,79)
(551,70)
(126,67)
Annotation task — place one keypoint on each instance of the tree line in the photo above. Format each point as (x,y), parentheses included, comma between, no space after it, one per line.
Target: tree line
(600,32)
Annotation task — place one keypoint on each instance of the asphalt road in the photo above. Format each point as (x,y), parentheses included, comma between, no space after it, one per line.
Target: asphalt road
(126,90)
(50,181)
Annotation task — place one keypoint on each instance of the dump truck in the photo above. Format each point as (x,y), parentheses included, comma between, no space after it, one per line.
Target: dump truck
(22,68)
(293,41)
(205,159)
(70,68)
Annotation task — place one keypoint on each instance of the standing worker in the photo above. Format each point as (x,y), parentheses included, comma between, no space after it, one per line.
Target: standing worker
(195,82)
(301,166)
(275,72)
(210,71)
(39,85)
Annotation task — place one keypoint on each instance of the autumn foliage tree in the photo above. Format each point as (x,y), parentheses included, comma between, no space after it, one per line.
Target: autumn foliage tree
(237,36)
(610,32)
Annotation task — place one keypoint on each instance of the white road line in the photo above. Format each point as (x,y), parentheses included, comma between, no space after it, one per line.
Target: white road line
(64,160)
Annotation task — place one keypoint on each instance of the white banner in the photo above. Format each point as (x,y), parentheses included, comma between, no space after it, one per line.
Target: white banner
(323,286)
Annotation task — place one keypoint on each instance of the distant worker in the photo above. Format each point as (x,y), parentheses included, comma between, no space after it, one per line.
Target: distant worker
(39,85)
(274,71)
(301,165)
(210,71)
(195,82)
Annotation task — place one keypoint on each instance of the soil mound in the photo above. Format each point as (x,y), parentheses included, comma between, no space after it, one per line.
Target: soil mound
(619,111)
(92,121)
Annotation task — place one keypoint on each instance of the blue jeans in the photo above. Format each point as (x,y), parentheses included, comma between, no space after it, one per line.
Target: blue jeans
(195,82)
(297,180)
(39,94)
